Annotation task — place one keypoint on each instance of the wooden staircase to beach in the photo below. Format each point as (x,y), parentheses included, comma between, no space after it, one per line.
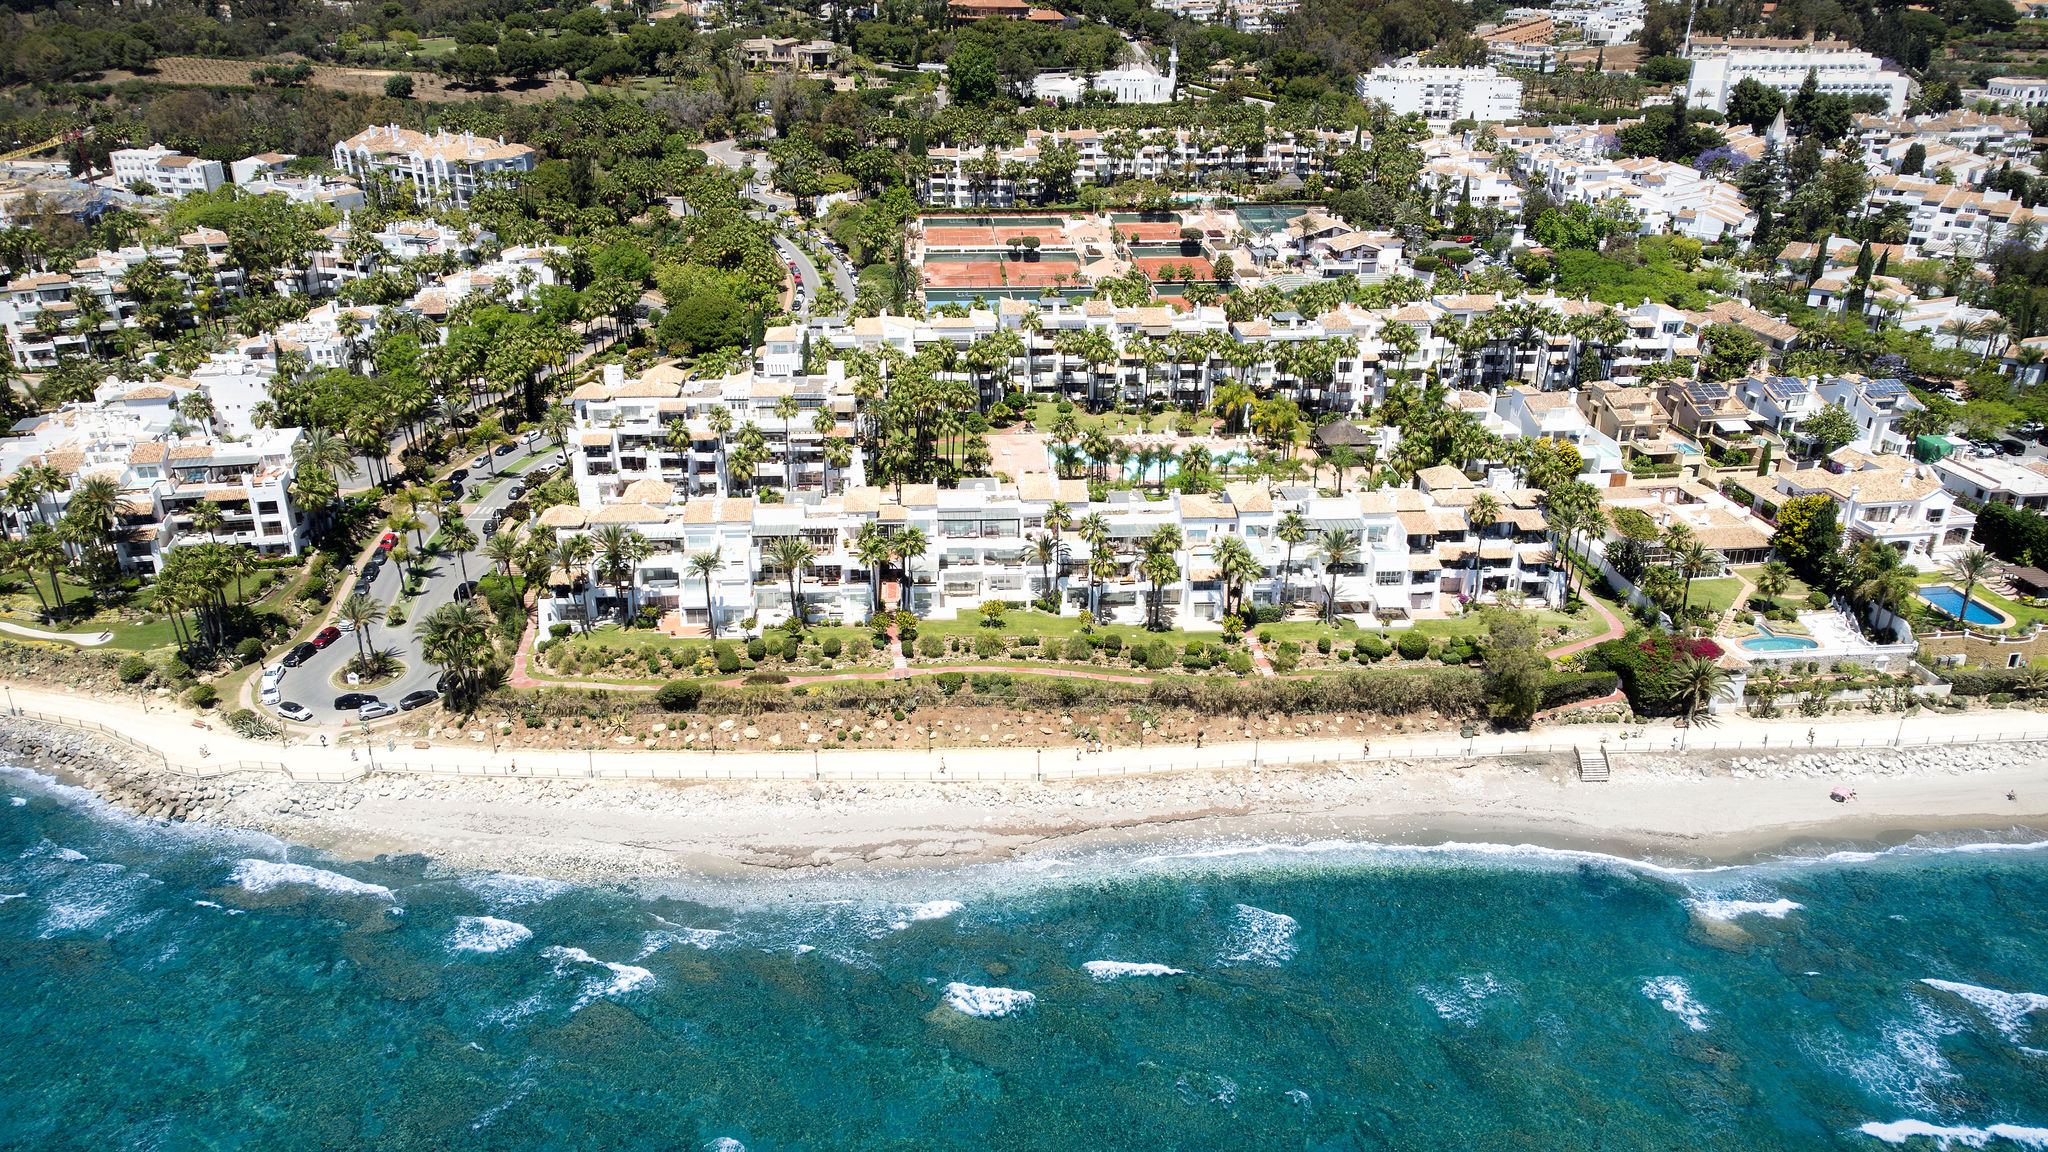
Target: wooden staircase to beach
(1593,765)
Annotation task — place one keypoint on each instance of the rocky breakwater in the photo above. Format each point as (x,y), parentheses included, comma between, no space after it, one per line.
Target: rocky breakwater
(118,775)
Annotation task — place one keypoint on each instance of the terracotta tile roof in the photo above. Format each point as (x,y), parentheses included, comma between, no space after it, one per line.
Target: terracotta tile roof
(862,500)
(629,514)
(147,452)
(593,439)
(1248,496)
(1418,523)
(563,516)
(191,450)
(650,491)
(736,510)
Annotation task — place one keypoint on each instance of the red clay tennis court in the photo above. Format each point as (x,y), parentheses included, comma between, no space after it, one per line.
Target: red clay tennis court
(992,231)
(995,272)
(1137,232)
(1152,265)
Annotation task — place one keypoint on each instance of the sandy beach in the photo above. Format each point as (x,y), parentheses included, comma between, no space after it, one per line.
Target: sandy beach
(1660,804)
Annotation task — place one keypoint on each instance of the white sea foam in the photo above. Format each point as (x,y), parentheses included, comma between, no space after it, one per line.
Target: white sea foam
(1105,970)
(621,978)
(1464,1000)
(71,854)
(264,875)
(1711,908)
(511,890)
(6,896)
(935,909)
(1259,937)
(722,1144)
(1674,995)
(1903,1062)
(17,801)
(1947,1136)
(88,897)
(2007,1011)
(988,1002)
(486,934)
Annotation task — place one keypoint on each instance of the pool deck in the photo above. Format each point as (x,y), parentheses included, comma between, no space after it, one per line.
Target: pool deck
(1835,637)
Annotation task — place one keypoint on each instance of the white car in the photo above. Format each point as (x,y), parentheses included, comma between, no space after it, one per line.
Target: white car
(482,461)
(376,710)
(292,711)
(273,674)
(270,694)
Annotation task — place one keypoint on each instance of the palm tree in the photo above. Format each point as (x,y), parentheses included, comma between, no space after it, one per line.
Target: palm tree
(1343,458)
(1883,578)
(1338,548)
(1697,681)
(321,450)
(1969,568)
(786,410)
(1094,531)
(458,537)
(454,636)
(619,550)
(793,554)
(1483,512)
(502,550)
(907,545)
(1695,560)
(361,611)
(1773,581)
(1292,530)
(1045,551)
(705,565)
(208,518)
(42,549)
(871,546)
(1234,560)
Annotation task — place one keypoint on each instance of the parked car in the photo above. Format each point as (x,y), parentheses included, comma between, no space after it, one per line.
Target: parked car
(533,437)
(326,636)
(272,674)
(348,700)
(389,539)
(465,590)
(459,474)
(376,710)
(269,694)
(300,653)
(419,699)
(291,710)
(483,461)
(519,489)
(506,449)
(362,587)
(346,626)
(455,490)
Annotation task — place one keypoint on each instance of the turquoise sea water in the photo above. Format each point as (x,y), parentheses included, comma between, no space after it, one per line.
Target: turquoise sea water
(166,989)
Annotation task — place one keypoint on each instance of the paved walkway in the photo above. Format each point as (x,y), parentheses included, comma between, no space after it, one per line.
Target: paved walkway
(92,640)
(173,732)
(1614,629)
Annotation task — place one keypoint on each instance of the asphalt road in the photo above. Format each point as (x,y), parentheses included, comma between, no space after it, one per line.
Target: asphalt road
(319,680)
(804,268)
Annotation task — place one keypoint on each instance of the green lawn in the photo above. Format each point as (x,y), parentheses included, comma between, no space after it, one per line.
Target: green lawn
(1716,595)
(1045,412)
(1793,599)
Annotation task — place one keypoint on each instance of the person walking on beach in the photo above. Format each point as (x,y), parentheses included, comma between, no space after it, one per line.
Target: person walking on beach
(1809,736)
(203,753)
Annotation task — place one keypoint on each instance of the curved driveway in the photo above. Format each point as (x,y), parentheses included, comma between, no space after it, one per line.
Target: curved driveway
(313,683)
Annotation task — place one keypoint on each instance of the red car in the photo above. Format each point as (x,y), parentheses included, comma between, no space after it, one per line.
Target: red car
(384,545)
(1465,239)
(326,636)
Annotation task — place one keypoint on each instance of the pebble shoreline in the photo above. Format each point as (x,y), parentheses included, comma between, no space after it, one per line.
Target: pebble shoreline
(989,820)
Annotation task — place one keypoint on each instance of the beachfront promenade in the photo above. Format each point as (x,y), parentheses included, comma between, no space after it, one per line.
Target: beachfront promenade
(168,733)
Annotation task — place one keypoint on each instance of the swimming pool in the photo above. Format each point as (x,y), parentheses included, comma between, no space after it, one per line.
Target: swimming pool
(1772,642)
(1685,449)
(1950,600)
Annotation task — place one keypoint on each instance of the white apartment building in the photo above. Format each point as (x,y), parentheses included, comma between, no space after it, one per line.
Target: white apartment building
(1444,94)
(170,173)
(1996,480)
(1890,499)
(1417,555)
(1839,68)
(1949,219)
(126,435)
(445,168)
(2020,91)
(1138,83)
(1875,406)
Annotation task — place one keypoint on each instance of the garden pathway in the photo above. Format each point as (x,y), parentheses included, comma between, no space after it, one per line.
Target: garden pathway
(1614,629)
